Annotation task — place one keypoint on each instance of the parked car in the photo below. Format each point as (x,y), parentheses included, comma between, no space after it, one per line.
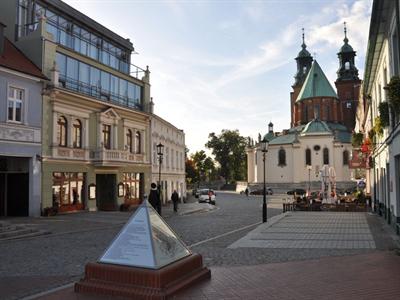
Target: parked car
(268,191)
(207,196)
(298,192)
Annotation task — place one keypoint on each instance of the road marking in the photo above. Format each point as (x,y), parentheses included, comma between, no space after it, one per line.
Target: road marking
(222,235)
(53,290)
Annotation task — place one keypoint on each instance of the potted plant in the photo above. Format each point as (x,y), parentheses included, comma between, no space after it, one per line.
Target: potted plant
(393,89)
(384,113)
(357,139)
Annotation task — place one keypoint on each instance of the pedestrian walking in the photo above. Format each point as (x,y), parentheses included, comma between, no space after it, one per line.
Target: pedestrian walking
(175,200)
(247,192)
(154,198)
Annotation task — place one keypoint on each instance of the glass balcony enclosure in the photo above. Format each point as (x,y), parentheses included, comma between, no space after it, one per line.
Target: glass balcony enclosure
(73,36)
(81,77)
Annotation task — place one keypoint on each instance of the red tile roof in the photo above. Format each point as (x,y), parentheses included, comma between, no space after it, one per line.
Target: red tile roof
(12,58)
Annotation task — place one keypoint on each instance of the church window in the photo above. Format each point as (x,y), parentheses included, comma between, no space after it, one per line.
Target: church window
(305,115)
(281,157)
(347,65)
(316,111)
(327,112)
(345,157)
(304,70)
(308,157)
(326,156)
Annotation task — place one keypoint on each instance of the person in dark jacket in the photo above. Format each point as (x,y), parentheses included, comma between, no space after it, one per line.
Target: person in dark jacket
(175,200)
(154,198)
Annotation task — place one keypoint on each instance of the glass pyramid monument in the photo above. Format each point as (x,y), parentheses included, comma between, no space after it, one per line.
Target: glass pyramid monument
(145,241)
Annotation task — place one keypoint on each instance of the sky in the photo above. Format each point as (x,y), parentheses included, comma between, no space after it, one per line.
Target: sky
(230,64)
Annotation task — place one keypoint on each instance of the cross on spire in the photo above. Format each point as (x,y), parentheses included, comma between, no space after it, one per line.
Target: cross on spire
(345,32)
(315,55)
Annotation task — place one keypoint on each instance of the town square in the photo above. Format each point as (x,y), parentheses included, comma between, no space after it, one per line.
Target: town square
(199,149)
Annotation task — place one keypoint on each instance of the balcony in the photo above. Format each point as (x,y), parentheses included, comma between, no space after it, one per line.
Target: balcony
(98,93)
(105,157)
(70,153)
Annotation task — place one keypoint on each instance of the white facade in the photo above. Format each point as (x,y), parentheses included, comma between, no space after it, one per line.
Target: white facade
(293,169)
(173,164)
(382,64)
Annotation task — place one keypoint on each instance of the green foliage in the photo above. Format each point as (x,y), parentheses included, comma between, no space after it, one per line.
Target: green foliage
(202,165)
(384,113)
(191,174)
(393,89)
(229,149)
(357,139)
(378,128)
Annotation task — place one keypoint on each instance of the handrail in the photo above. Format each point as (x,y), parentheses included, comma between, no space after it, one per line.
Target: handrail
(97,92)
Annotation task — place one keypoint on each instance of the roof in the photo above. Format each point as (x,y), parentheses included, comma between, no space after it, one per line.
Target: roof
(14,59)
(343,136)
(316,126)
(316,84)
(269,136)
(284,139)
(382,11)
(346,47)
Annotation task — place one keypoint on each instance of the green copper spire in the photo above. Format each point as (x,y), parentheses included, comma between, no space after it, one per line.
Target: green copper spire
(316,84)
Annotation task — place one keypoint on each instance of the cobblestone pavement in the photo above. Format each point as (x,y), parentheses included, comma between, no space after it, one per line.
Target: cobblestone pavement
(59,258)
(79,238)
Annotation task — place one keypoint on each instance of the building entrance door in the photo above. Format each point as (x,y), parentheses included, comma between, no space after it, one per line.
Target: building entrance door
(106,192)
(14,194)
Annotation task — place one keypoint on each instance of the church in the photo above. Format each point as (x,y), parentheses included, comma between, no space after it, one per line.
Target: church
(319,138)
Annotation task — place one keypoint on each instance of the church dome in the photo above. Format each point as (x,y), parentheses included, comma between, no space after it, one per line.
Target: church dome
(269,136)
(346,48)
(304,53)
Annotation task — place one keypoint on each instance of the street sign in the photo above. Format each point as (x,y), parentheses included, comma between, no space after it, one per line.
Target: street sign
(361,184)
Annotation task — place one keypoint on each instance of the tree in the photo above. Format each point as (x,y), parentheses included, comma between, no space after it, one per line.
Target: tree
(229,149)
(191,174)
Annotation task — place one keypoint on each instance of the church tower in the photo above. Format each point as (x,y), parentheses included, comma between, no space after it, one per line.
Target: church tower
(347,84)
(304,61)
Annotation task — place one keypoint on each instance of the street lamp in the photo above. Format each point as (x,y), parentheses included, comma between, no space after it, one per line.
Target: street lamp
(264,149)
(309,168)
(160,153)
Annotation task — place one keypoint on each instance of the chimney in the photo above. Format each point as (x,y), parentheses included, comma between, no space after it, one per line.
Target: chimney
(2,26)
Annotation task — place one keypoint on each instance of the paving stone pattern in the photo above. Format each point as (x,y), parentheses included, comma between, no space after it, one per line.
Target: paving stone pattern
(312,230)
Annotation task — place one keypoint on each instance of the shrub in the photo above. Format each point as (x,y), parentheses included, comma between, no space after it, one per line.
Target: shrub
(384,113)
(393,89)
(357,139)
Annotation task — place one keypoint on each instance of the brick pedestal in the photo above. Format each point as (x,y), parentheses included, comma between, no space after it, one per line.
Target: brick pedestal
(140,283)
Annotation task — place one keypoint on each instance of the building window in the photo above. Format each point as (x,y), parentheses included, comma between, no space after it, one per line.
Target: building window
(347,65)
(68,188)
(77,134)
(138,142)
(107,136)
(15,100)
(348,105)
(326,156)
(62,131)
(83,78)
(129,140)
(281,157)
(133,186)
(308,157)
(345,157)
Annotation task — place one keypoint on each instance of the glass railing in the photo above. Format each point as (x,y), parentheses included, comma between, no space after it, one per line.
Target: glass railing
(98,93)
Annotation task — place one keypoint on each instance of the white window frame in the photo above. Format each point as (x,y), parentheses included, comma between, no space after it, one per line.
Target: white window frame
(15,100)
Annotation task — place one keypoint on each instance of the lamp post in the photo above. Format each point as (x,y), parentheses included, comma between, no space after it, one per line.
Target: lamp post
(160,153)
(309,168)
(264,149)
